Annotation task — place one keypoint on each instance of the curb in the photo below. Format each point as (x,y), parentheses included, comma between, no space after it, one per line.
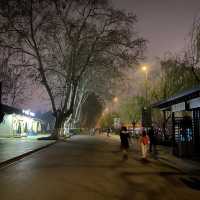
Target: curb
(14,159)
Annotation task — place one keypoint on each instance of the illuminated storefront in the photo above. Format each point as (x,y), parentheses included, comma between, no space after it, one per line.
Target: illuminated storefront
(24,125)
(17,123)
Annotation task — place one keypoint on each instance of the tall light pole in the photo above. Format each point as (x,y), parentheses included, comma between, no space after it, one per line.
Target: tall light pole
(146,113)
(106,110)
(114,101)
(116,120)
(145,70)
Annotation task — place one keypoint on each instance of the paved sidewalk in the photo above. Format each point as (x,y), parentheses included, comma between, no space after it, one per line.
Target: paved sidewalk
(92,168)
(188,165)
(12,148)
(164,155)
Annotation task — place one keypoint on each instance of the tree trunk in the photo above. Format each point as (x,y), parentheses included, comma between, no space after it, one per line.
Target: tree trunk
(58,126)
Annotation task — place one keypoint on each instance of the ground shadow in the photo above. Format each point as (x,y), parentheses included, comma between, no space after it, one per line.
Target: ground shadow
(191,182)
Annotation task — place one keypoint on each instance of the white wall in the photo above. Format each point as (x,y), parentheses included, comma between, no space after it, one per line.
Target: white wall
(6,127)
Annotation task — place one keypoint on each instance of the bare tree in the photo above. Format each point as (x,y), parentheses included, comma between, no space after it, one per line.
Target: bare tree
(63,40)
(192,56)
(14,79)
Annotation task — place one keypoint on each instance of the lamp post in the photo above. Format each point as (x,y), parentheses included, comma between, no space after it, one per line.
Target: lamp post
(106,110)
(114,101)
(116,120)
(145,70)
(146,112)
(111,109)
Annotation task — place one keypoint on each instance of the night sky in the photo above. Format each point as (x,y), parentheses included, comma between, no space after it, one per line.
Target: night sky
(164,23)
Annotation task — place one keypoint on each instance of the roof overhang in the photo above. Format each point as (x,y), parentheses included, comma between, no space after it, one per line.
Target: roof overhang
(177,99)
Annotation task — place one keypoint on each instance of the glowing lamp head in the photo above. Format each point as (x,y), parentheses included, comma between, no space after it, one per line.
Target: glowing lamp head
(106,110)
(144,68)
(115,99)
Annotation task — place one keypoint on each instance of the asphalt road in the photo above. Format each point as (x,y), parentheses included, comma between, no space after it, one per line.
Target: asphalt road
(92,168)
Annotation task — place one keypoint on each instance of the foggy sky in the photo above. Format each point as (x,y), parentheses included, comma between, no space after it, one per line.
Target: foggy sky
(164,23)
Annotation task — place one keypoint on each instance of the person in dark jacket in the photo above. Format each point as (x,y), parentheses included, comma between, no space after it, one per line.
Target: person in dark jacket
(124,137)
(108,131)
(152,138)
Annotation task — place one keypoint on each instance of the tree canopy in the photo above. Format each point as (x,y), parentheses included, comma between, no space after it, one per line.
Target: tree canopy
(65,43)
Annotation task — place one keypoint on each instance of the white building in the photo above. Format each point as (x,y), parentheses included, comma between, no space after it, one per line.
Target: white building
(17,123)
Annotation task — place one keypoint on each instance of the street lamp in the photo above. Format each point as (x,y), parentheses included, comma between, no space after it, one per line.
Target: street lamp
(115,99)
(116,119)
(146,112)
(105,111)
(145,69)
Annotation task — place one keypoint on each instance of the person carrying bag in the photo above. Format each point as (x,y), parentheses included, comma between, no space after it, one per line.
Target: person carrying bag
(144,142)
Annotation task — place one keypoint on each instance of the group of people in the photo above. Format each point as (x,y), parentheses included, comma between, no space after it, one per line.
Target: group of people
(147,141)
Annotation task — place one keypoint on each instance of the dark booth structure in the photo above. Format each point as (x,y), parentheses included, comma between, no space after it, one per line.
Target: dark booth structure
(185,121)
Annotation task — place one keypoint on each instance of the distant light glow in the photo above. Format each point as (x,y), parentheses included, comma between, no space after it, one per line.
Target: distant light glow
(115,99)
(144,68)
(106,110)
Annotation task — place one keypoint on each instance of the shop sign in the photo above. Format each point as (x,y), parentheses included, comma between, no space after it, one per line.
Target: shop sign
(194,103)
(178,107)
(29,113)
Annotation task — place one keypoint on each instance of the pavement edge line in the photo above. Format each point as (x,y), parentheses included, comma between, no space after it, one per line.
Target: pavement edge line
(12,160)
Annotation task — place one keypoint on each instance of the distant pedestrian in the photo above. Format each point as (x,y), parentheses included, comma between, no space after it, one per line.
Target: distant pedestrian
(93,131)
(144,141)
(108,132)
(124,137)
(152,138)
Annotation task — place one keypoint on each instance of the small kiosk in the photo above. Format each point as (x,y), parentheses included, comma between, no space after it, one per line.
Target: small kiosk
(185,119)
(18,123)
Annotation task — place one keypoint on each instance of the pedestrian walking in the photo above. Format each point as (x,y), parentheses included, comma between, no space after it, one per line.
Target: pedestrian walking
(144,141)
(152,138)
(108,132)
(124,137)
(93,131)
